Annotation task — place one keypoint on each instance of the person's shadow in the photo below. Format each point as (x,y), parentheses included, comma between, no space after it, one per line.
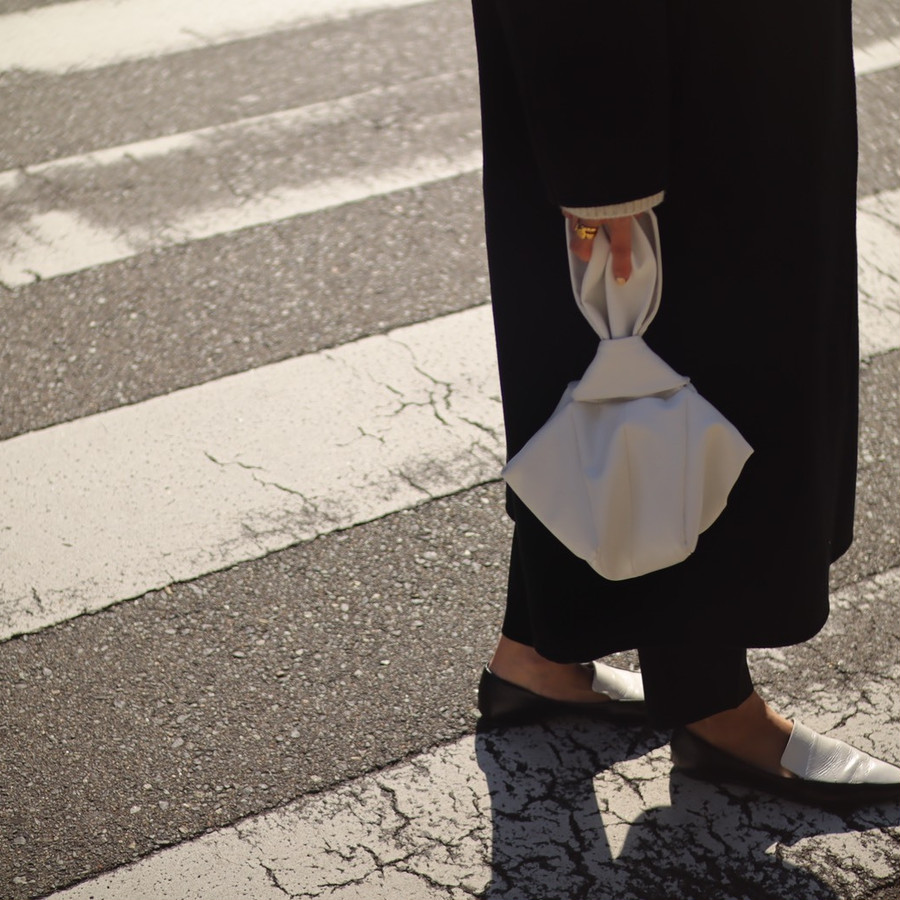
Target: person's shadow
(587,811)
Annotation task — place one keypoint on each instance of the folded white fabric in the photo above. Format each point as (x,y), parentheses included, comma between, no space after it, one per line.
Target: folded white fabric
(633,464)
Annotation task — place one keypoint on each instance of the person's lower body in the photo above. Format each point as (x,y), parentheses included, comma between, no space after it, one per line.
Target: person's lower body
(695,685)
(723,729)
(724,732)
(759,575)
(681,683)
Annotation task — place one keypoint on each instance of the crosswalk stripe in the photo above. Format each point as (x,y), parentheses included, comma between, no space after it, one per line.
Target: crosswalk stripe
(878,239)
(60,242)
(112,505)
(116,504)
(45,236)
(69,214)
(878,56)
(268,125)
(88,34)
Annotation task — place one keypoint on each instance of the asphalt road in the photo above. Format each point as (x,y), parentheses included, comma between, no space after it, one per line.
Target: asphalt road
(284,677)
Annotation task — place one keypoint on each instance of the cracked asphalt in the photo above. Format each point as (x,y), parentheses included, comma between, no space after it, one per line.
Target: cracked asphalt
(571,808)
(303,724)
(214,700)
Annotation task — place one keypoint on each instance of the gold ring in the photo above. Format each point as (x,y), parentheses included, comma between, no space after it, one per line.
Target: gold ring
(585,231)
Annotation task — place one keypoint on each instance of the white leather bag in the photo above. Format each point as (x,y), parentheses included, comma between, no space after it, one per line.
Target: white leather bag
(633,464)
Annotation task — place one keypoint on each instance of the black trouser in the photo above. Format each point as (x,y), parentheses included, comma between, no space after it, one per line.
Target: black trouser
(682,683)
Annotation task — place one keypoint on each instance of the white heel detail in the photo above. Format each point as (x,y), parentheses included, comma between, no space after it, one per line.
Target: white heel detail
(816,757)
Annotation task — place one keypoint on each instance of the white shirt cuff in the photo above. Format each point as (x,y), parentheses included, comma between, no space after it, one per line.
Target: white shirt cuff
(616,210)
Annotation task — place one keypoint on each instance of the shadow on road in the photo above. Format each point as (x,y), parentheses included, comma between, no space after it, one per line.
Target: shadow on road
(590,811)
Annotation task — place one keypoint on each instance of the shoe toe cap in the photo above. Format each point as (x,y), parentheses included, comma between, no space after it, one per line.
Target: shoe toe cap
(817,757)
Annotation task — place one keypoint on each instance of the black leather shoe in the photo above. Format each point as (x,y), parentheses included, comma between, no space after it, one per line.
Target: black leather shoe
(500,700)
(699,759)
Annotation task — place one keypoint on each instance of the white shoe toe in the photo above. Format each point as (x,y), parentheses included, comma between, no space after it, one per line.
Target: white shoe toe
(816,757)
(617,684)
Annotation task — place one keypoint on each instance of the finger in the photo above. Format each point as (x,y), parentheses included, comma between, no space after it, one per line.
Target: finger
(619,231)
(580,246)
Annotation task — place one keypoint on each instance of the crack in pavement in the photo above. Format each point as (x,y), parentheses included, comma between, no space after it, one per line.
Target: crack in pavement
(273,879)
(312,504)
(233,462)
(403,476)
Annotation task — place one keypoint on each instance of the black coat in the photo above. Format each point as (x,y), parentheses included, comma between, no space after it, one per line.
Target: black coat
(745,115)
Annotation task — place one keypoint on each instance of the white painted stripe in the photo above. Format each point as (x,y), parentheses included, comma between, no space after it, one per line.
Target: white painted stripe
(268,125)
(88,34)
(59,242)
(444,823)
(112,505)
(169,190)
(878,56)
(878,236)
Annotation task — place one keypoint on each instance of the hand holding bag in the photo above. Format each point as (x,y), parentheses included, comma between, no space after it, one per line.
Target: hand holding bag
(633,464)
